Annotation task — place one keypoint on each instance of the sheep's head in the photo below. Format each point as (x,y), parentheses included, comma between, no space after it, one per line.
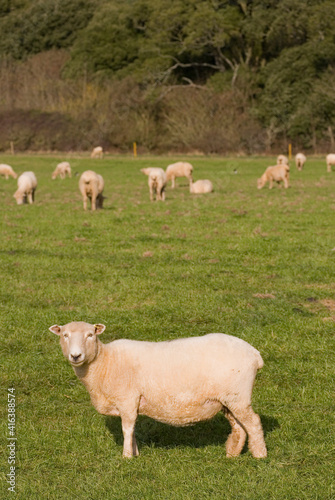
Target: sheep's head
(78,341)
(20,197)
(260,183)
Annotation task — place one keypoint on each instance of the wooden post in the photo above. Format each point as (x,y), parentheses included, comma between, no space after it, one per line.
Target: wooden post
(135,149)
(12,147)
(289,151)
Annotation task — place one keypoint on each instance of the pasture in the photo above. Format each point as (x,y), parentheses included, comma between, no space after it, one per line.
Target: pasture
(258,264)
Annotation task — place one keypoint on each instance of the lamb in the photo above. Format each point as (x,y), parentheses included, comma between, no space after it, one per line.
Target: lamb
(91,186)
(300,160)
(27,184)
(277,173)
(97,152)
(156,182)
(330,161)
(7,171)
(178,382)
(179,169)
(282,160)
(62,169)
(202,186)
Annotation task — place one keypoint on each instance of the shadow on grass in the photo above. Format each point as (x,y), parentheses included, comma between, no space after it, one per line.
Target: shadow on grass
(152,433)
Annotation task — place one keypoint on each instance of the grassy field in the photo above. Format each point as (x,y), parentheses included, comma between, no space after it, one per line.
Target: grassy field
(256,264)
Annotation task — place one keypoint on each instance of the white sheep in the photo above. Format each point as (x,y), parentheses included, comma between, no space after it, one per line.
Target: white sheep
(178,382)
(201,186)
(97,152)
(7,171)
(179,169)
(62,169)
(91,186)
(330,161)
(282,160)
(156,182)
(278,173)
(300,160)
(26,184)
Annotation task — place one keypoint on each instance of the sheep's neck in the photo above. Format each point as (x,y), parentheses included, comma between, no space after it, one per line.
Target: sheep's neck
(88,372)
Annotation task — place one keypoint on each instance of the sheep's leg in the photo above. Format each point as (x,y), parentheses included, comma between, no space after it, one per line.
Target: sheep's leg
(30,197)
(236,439)
(286,183)
(329,167)
(129,442)
(270,184)
(94,202)
(252,424)
(173,182)
(151,193)
(85,201)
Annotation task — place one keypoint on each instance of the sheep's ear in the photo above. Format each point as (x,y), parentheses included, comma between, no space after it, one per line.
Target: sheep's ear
(99,328)
(55,329)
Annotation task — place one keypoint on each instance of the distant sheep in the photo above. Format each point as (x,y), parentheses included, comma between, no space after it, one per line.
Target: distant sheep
(300,160)
(178,382)
(201,186)
(7,171)
(97,152)
(330,161)
(62,169)
(156,182)
(282,160)
(91,186)
(27,184)
(179,169)
(278,173)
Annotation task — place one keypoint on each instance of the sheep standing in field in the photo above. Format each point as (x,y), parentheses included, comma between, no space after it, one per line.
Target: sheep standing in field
(26,184)
(62,169)
(7,171)
(156,182)
(91,186)
(200,187)
(300,160)
(330,161)
(278,173)
(282,160)
(179,169)
(179,382)
(97,152)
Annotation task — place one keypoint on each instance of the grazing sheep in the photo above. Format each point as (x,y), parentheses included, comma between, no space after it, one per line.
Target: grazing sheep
(27,184)
(277,173)
(156,182)
(7,171)
(91,186)
(97,152)
(178,382)
(282,160)
(179,169)
(62,169)
(203,186)
(300,160)
(330,161)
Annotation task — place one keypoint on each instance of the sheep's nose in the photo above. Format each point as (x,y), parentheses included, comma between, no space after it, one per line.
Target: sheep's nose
(75,357)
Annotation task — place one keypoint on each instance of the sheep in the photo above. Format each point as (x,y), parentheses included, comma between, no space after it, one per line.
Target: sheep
(62,169)
(97,152)
(277,173)
(300,160)
(27,184)
(156,182)
(179,169)
(91,186)
(7,171)
(202,186)
(178,382)
(282,160)
(330,161)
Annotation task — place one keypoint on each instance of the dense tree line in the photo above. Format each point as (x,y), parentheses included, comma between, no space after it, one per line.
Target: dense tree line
(219,76)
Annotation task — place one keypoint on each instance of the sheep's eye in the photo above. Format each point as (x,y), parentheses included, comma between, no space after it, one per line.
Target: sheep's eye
(65,335)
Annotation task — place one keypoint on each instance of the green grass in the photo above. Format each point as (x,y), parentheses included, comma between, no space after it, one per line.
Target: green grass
(256,264)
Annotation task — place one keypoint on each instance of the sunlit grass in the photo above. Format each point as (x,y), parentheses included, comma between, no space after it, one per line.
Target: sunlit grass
(255,264)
